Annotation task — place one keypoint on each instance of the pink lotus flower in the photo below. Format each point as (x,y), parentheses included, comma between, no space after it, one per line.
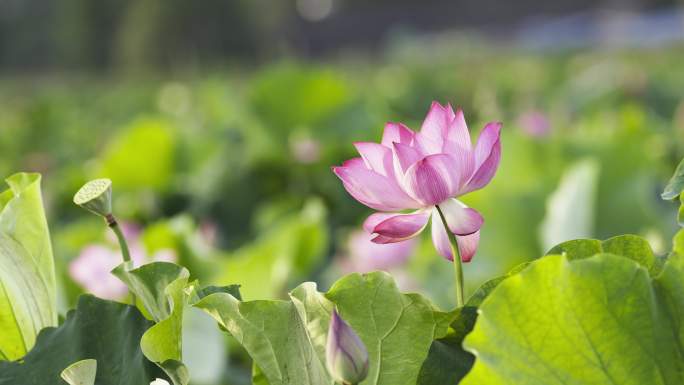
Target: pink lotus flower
(421,170)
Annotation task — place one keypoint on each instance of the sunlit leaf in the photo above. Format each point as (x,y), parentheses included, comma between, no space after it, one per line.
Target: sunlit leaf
(630,246)
(595,320)
(286,339)
(27,277)
(163,289)
(275,335)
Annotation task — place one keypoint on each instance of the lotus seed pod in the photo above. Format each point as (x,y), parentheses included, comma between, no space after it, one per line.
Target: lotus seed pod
(96,196)
(346,355)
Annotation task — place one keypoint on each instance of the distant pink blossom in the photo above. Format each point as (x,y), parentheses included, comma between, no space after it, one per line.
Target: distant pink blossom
(306,150)
(208,232)
(365,256)
(91,269)
(421,170)
(534,123)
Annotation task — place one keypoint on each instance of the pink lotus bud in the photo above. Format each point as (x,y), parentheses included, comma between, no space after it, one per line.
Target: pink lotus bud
(346,355)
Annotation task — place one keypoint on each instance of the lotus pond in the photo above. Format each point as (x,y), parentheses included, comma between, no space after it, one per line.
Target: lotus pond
(483,218)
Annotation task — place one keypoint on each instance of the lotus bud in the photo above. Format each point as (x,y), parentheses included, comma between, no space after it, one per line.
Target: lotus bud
(96,197)
(346,355)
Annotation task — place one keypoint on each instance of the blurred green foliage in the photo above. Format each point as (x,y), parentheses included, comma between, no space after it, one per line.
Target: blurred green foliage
(231,169)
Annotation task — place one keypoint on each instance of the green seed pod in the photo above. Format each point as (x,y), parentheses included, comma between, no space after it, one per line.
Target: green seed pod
(96,196)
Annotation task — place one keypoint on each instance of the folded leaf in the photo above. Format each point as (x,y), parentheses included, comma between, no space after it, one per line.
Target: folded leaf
(275,335)
(27,276)
(163,289)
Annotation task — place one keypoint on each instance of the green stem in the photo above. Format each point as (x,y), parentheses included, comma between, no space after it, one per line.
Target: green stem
(458,265)
(125,252)
(122,242)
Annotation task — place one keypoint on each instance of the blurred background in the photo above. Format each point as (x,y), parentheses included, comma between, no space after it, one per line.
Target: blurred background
(218,122)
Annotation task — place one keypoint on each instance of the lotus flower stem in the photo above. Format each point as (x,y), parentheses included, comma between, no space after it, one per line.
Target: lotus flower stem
(458,266)
(125,252)
(114,225)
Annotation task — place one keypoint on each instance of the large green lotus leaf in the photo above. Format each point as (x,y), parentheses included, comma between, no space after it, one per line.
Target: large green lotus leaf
(630,246)
(670,286)
(676,184)
(595,320)
(164,291)
(447,361)
(27,276)
(105,331)
(287,339)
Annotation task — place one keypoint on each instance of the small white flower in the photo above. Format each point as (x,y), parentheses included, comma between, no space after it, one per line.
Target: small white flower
(159,381)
